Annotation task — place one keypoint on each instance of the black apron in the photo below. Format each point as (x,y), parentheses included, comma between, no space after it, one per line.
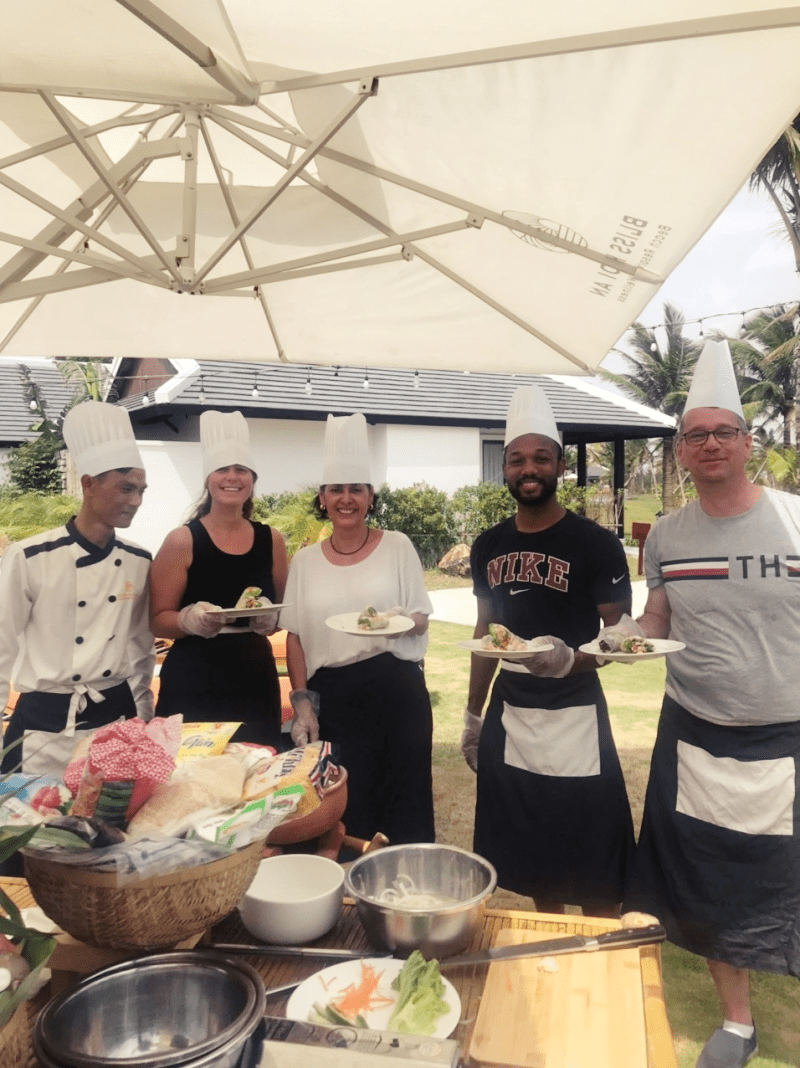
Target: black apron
(552,812)
(719,851)
(377,716)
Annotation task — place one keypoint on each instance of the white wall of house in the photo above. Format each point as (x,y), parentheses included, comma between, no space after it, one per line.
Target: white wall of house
(287,454)
(446,457)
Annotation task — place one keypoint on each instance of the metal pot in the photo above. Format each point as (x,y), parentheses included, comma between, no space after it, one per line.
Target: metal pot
(193,1009)
(455,873)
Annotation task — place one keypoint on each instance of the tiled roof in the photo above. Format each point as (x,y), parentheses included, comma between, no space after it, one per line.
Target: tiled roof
(16,416)
(443,398)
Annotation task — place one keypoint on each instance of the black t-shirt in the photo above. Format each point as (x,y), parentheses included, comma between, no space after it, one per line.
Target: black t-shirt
(221,578)
(550,582)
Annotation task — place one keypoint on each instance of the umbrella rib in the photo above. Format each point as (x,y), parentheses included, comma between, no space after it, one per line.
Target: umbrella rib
(226,193)
(253,277)
(109,266)
(62,116)
(546,236)
(365,90)
(75,224)
(470,288)
(711,26)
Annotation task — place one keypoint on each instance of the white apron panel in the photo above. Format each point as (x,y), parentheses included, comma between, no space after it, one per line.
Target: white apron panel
(751,796)
(560,742)
(45,753)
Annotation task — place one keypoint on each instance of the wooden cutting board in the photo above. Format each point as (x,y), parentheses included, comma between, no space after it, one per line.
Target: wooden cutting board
(589,1013)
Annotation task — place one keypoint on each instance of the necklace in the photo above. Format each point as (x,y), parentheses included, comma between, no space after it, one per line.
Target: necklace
(352,551)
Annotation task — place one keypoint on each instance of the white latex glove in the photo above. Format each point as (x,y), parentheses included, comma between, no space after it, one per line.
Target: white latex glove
(554,663)
(627,625)
(267,623)
(194,619)
(470,737)
(305,724)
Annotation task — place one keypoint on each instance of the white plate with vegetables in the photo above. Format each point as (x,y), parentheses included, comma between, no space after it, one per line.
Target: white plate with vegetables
(347,623)
(652,648)
(363,989)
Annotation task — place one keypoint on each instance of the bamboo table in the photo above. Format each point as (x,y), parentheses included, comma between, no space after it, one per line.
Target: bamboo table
(469,982)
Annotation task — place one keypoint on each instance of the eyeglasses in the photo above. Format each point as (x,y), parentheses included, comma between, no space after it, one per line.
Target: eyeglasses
(723,434)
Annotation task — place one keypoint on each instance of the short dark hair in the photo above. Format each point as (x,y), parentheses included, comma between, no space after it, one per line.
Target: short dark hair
(316,504)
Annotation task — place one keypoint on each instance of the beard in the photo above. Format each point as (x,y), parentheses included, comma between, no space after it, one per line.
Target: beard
(523,496)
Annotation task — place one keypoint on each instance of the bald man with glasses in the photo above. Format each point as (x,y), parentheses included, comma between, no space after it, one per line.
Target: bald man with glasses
(718,860)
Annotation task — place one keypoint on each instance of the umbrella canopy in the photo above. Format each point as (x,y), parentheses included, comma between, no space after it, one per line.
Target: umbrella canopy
(426,184)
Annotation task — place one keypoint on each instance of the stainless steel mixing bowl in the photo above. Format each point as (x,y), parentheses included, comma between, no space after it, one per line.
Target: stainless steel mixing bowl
(194,1009)
(436,869)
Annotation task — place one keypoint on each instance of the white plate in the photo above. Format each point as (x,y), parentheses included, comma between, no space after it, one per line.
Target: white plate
(662,647)
(225,615)
(347,623)
(325,985)
(474,646)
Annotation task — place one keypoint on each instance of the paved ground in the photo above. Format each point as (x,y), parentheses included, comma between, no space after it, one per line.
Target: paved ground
(458,606)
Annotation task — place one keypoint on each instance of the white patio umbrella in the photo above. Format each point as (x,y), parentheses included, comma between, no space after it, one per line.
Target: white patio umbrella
(425,184)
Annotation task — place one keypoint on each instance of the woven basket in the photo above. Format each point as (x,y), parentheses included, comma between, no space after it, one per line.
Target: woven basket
(15,1040)
(150,914)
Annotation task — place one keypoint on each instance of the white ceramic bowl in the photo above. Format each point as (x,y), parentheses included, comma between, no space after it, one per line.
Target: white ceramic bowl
(293,898)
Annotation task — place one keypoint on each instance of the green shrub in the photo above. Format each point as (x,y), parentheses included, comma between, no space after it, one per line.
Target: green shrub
(423,514)
(33,466)
(293,515)
(24,514)
(476,508)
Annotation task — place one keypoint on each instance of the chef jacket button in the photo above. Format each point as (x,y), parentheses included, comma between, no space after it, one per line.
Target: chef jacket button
(112,598)
(117,563)
(81,604)
(106,674)
(76,678)
(79,641)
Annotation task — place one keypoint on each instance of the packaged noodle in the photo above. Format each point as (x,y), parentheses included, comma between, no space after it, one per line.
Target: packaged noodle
(252,820)
(304,765)
(204,740)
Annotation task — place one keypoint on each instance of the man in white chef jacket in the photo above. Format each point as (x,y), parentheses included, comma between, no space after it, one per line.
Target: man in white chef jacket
(75,640)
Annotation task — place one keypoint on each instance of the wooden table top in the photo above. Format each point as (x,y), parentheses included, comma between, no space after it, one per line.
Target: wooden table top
(468,982)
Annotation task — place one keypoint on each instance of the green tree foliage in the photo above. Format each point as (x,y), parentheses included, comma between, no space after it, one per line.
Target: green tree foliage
(766,359)
(476,508)
(779,174)
(33,466)
(22,515)
(293,515)
(658,375)
(423,514)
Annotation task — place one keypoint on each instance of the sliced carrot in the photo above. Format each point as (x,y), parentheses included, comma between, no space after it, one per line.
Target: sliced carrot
(362,996)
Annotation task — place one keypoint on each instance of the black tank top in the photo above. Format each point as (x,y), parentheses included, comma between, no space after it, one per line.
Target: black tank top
(221,577)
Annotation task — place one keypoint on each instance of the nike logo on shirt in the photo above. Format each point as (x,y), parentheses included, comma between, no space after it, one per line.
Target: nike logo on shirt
(615,581)
(512,592)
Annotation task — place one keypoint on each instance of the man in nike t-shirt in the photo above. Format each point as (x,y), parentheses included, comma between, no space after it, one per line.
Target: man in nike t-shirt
(552,813)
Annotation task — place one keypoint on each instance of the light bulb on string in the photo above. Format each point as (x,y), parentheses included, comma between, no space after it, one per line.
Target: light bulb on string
(145,400)
(202,397)
(365,383)
(254,391)
(416,380)
(32,405)
(309,389)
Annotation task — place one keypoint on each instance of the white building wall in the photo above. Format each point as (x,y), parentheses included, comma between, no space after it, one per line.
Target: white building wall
(173,484)
(443,456)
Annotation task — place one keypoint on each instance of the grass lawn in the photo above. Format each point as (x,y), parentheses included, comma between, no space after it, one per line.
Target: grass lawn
(634,698)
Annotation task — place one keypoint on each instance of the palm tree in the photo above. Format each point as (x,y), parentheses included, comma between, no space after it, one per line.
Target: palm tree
(779,174)
(658,375)
(767,358)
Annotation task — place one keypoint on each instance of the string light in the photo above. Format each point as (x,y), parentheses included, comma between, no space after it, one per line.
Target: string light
(309,389)
(145,399)
(202,397)
(32,405)
(416,380)
(254,391)
(365,383)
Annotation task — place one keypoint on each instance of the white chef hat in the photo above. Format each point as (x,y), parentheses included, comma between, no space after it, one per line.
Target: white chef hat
(530,413)
(100,438)
(346,451)
(714,382)
(225,440)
